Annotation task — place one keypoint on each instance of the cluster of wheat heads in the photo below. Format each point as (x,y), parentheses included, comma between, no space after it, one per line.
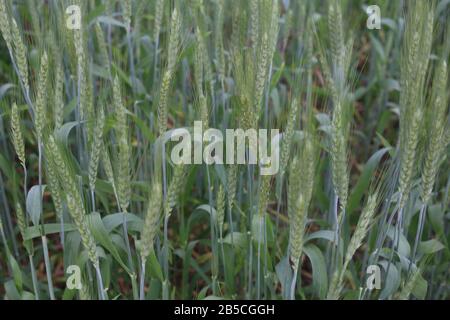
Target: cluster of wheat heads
(93,207)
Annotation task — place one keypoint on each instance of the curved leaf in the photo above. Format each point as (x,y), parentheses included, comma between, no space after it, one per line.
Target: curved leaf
(322,234)
(319,269)
(114,220)
(33,203)
(364,180)
(16,272)
(155,267)
(430,246)
(49,228)
(392,282)
(285,275)
(101,235)
(62,134)
(4,89)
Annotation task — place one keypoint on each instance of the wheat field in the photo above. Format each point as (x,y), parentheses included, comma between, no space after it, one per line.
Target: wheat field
(94,204)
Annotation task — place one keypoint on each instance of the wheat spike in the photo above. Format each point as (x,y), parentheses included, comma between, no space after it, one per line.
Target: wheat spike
(162,103)
(220,206)
(126,7)
(124,172)
(436,135)
(263,195)
(254,22)
(175,188)
(20,52)
(364,222)
(301,183)
(218,41)
(261,73)
(41,105)
(16,134)
(288,135)
(72,197)
(174,40)
(55,189)
(159,8)
(28,244)
(232,173)
(151,221)
(58,107)
(102,47)
(415,57)
(336,33)
(339,155)
(96,149)
(4,24)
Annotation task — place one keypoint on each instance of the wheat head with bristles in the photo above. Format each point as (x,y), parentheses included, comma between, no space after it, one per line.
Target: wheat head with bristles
(218,41)
(58,108)
(78,41)
(415,57)
(20,53)
(362,228)
(21,222)
(175,188)
(96,149)
(41,105)
(173,51)
(151,220)
(300,188)
(124,154)
(159,7)
(5,28)
(232,173)
(263,195)
(126,7)
(436,135)
(103,48)
(17,135)
(55,189)
(220,207)
(288,135)
(72,196)
(339,166)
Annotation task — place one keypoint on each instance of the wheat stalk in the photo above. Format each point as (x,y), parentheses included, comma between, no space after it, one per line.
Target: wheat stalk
(74,203)
(364,222)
